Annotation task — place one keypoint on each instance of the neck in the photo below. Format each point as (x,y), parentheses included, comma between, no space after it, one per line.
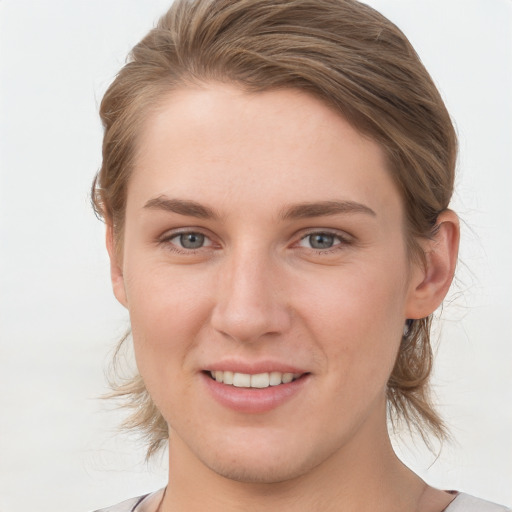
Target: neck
(365,474)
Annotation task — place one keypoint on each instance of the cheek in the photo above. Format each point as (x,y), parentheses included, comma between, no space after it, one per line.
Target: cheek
(167,310)
(357,319)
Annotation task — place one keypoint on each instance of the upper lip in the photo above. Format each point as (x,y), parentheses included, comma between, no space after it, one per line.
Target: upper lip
(253,367)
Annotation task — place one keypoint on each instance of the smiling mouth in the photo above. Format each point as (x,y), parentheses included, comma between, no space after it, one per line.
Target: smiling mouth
(259,380)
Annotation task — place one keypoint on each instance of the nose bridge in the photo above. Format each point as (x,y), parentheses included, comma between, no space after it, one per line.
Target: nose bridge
(249,304)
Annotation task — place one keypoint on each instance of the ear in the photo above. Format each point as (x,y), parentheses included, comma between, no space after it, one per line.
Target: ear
(116,269)
(430,283)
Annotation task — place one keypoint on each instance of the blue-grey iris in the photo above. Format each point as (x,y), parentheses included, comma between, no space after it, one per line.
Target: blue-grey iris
(192,240)
(321,241)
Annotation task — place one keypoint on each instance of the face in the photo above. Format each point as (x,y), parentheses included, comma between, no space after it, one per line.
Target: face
(265,271)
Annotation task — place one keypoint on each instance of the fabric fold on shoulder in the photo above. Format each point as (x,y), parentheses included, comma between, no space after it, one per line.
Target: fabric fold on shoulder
(466,503)
(145,503)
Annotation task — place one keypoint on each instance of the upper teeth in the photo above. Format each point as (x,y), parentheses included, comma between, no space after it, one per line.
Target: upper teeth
(259,380)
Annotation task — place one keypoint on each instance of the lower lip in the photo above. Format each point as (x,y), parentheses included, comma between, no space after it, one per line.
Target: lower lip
(253,400)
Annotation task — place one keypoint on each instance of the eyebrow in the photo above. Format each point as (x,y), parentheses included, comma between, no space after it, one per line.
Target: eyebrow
(182,207)
(324,208)
(296,211)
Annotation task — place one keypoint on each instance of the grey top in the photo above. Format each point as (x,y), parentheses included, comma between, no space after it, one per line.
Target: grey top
(461,503)
(466,503)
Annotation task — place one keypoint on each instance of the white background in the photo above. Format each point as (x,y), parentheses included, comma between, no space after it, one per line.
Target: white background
(59,449)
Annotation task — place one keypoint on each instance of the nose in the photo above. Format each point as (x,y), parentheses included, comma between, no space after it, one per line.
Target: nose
(250,299)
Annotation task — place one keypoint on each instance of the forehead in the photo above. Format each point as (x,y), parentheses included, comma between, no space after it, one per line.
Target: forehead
(233,148)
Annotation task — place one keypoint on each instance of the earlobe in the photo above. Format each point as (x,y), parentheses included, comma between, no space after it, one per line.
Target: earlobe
(431,282)
(116,270)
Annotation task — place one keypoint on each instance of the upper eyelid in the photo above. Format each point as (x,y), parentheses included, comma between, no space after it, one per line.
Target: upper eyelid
(325,231)
(171,233)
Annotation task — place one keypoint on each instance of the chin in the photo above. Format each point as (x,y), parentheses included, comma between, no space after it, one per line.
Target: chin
(261,463)
(256,472)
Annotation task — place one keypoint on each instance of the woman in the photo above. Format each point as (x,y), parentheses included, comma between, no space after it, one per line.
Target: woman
(275,183)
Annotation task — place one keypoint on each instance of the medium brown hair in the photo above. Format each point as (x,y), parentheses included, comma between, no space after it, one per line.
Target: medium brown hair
(341,51)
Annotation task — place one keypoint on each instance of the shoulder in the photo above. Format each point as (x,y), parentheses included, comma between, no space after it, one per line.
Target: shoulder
(125,506)
(145,503)
(466,503)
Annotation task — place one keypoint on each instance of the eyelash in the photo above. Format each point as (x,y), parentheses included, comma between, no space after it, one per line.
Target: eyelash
(340,242)
(167,241)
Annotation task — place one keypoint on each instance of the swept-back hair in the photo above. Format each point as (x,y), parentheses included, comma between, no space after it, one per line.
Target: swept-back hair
(340,51)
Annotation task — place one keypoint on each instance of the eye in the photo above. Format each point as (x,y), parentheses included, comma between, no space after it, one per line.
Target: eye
(190,240)
(321,241)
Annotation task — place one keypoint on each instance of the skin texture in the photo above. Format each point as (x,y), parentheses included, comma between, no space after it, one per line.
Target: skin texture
(258,293)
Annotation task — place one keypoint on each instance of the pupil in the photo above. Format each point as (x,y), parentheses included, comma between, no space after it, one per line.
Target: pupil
(321,241)
(192,240)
